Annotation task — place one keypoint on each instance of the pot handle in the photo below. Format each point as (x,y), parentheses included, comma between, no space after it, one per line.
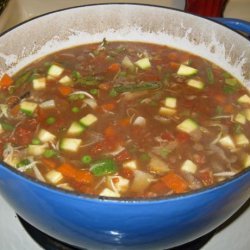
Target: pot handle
(235,24)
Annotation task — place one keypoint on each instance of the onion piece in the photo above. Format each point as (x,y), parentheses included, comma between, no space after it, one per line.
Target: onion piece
(47,104)
(3,110)
(139,121)
(225,174)
(38,174)
(82,92)
(141,181)
(193,182)
(90,102)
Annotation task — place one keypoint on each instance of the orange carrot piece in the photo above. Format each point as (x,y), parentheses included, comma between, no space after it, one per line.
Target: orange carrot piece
(174,66)
(67,170)
(6,81)
(124,122)
(108,106)
(84,176)
(110,131)
(49,163)
(15,110)
(65,90)
(115,67)
(219,98)
(229,108)
(175,183)
(105,86)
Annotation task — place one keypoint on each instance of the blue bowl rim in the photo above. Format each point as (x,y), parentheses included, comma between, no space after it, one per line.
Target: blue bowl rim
(158,199)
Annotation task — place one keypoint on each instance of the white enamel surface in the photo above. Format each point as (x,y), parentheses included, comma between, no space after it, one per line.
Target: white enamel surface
(59,30)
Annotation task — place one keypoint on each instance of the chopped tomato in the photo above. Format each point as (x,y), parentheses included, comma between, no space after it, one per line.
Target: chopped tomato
(207,177)
(127,173)
(167,136)
(115,67)
(84,176)
(182,137)
(123,156)
(6,81)
(175,182)
(67,170)
(65,90)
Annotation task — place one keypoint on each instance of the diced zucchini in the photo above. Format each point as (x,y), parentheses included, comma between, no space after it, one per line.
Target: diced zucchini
(54,176)
(157,166)
(65,186)
(241,140)
(195,84)
(240,118)
(55,70)
(188,126)
(28,108)
(143,63)
(231,81)
(48,104)
(66,80)
(75,128)
(103,167)
(37,149)
(109,193)
(120,183)
(1,129)
(244,99)
(88,120)
(167,111)
(246,160)
(130,164)
(45,136)
(227,142)
(171,102)
(189,166)
(39,83)
(185,70)
(127,63)
(70,144)
(247,114)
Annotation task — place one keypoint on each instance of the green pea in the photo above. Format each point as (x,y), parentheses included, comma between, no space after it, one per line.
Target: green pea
(48,153)
(75,109)
(36,141)
(51,120)
(86,159)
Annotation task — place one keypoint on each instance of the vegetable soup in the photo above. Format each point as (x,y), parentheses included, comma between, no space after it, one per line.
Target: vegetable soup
(125,119)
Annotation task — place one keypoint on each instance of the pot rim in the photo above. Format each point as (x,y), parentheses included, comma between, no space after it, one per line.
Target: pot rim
(126,200)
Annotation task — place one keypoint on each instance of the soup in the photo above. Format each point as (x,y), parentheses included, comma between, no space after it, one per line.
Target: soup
(125,119)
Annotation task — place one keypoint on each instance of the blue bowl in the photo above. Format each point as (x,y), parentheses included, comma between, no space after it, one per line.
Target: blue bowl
(96,223)
(102,223)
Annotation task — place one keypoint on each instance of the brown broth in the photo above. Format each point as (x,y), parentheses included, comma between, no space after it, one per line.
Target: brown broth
(136,147)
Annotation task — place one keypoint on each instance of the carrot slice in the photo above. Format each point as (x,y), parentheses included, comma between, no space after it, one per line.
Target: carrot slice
(65,90)
(105,86)
(110,132)
(67,170)
(115,67)
(84,176)
(175,182)
(6,81)
(219,98)
(49,163)
(124,122)
(108,106)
